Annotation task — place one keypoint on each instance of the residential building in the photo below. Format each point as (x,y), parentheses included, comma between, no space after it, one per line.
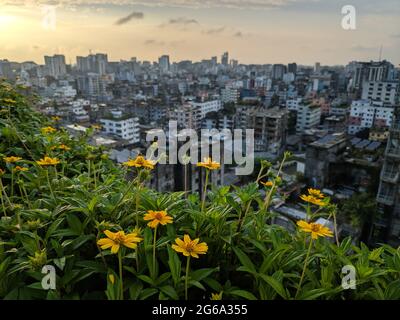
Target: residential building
(124,126)
(308,117)
(384,91)
(367,114)
(55,65)
(270,129)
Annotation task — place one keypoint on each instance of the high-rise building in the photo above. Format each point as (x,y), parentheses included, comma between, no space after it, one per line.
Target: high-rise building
(96,63)
(123,126)
(163,63)
(367,114)
(384,91)
(317,68)
(308,117)
(278,70)
(362,72)
(270,129)
(388,197)
(292,67)
(55,65)
(225,59)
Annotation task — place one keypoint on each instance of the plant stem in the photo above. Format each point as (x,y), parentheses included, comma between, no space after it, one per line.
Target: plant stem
(2,200)
(186,182)
(205,191)
(120,275)
(12,182)
(304,268)
(123,197)
(335,228)
(187,277)
(137,202)
(154,253)
(48,181)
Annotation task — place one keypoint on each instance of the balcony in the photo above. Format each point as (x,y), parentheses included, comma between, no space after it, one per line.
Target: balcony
(390,174)
(385,198)
(395,127)
(393,152)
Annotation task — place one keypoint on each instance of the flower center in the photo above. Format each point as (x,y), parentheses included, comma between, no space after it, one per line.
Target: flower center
(158,216)
(315,227)
(119,237)
(190,247)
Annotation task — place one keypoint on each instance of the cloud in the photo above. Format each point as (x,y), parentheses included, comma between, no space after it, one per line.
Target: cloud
(152,42)
(238,34)
(214,31)
(133,15)
(364,48)
(238,4)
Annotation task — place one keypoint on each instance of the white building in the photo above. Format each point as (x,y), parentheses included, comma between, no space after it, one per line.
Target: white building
(55,65)
(230,94)
(366,114)
(293,104)
(384,91)
(206,106)
(123,126)
(308,117)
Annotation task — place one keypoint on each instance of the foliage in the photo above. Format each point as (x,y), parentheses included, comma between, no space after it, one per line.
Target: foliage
(55,215)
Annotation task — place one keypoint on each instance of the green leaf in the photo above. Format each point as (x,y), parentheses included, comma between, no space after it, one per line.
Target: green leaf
(275,284)
(245,260)
(170,292)
(243,294)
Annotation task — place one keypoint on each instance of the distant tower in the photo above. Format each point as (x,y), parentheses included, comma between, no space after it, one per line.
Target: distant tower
(225,59)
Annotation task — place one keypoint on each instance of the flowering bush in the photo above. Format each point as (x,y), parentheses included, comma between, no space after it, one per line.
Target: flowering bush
(63,203)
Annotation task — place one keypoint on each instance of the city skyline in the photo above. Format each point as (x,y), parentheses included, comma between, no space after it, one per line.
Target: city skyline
(253,32)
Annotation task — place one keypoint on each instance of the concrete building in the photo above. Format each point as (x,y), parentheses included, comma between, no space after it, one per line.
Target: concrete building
(270,129)
(124,126)
(369,71)
(278,70)
(55,65)
(95,63)
(384,91)
(388,195)
(292,104)
(164,63)
(308,117)
(230,94)
(319,157)
(366,114)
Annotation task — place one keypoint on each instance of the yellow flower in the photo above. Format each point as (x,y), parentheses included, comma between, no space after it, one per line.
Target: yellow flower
(140,162)
(18,168)
(268,184)
(190,247)
(216,296)
(47,161)
(112,278)
(48,130)
(2,172)
(9,101)
(64,147)
(316,229)
(115,239)
(312,199)
(12,159)
(157,217)
(56,118)
(316,193)
(209,164)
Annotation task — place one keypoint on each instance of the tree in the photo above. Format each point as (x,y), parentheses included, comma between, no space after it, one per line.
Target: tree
(362,210)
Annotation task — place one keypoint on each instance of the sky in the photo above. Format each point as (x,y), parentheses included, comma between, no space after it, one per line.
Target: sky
(252,31)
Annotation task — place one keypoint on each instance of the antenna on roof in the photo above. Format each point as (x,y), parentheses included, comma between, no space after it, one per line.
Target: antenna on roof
(380,54)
